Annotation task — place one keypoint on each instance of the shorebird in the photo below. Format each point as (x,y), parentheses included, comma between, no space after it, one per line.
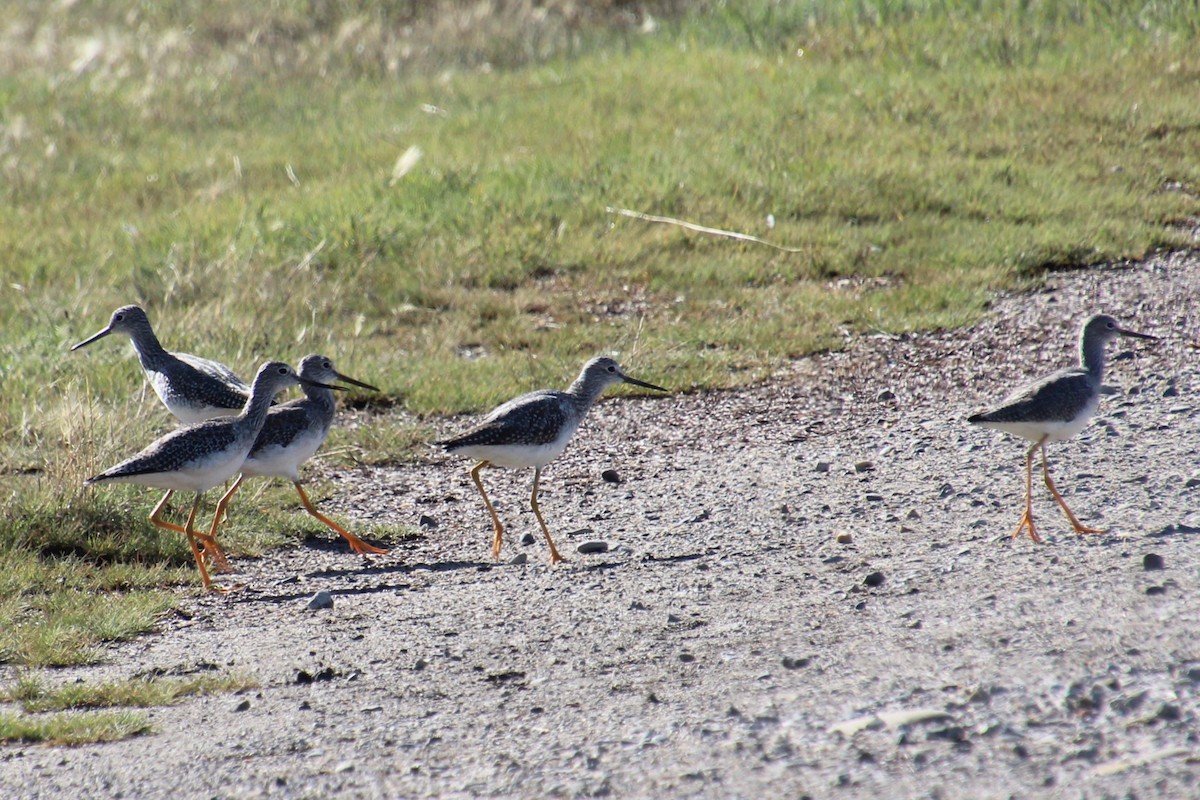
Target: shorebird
(192,388)
(293,433)
(1057,407)
(198,457)
(532,430)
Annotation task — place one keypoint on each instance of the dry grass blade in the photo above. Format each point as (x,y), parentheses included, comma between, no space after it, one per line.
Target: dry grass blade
(692,226)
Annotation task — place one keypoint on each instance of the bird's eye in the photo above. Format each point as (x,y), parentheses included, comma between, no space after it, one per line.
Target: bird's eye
(611,368)
(118,317)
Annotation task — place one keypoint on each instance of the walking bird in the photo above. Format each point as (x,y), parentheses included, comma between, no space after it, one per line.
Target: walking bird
(198,457)
(1057,407)
(532,430)
(192,388)
(293,433)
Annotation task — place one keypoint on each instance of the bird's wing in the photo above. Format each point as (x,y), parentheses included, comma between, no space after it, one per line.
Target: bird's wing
(170,452)
(535,418)
(216,370)
(1056,397)
(283,425)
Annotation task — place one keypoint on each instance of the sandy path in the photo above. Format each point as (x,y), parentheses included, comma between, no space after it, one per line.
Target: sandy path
(726,644)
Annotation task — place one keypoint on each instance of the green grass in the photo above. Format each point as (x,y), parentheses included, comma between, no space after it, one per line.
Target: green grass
(72,729)
(34,697)
(237,175)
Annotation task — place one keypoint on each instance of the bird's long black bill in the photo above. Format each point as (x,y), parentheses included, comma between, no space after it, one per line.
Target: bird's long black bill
(636,382)
(320,385)
(1136,335)
(354,382)
(92,338)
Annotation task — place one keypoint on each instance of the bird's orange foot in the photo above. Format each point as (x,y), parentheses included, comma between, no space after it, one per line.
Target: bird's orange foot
(363,548)
(1082,529)
(213,552)
(1027,522)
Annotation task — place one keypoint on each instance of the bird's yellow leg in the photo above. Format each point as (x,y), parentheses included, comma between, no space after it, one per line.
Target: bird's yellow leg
(159,521)
(1027,518)
(191,537)
(356,544)
(554,556)
(223,505)
(498,537)
(211,547)
(218,557)
(1076,524)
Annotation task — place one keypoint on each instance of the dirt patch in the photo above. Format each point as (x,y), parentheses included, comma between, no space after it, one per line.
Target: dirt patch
(808,589)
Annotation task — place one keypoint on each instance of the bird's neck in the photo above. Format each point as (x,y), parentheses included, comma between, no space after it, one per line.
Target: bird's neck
(255,412)
(1091,358)
(585,392)
(150,352)
(321,399)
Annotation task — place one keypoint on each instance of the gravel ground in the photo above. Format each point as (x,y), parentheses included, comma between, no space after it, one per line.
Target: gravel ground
(809,588)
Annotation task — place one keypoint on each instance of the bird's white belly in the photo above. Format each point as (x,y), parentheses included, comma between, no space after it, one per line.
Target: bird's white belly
(283,462)
(186,412)
(517,456)
(200,476)
(1053,430)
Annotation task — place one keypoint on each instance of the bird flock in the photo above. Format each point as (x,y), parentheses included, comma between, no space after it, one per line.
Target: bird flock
(231,428)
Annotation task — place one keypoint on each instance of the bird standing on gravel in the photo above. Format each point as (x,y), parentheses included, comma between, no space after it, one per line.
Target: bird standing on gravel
(192,388)
(532,430)
(293,433)
(1057,407)
(198,457)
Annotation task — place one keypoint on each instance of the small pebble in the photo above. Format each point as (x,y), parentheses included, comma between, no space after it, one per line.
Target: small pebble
(886,394)
(610,476)
(528,539)
(1153,590)
(1152,561)
(243,706)
(822,466)
(592,547)
(1169,712)
(844,538)
(863,466)
(320,600)
(518,559)
(873,579)
(686,658)
(794,663)
(427,521)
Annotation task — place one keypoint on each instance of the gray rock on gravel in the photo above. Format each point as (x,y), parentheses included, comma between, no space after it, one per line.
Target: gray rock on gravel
(320,600)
